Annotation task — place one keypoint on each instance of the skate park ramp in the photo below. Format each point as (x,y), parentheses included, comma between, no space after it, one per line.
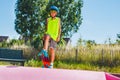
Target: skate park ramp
(32,73)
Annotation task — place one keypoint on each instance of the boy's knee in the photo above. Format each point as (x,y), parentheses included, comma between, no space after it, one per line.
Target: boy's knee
(47,37)
(51,49)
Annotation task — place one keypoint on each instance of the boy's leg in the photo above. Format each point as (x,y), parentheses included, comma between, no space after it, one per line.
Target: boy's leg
(52,55)
(46,42)
(43,53)
(45,46)
(52,48)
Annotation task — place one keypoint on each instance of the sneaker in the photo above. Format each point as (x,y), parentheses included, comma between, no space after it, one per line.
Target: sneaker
(43,66)
(44,52)
(51,66)
(40,53)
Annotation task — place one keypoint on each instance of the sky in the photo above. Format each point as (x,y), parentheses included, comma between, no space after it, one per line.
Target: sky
(101,20)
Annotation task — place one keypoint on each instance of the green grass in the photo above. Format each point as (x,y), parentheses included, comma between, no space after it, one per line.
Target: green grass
(98,55)
(71,65)
(86,66)
(97,58)
(75,66)
(4,63)
(33,63)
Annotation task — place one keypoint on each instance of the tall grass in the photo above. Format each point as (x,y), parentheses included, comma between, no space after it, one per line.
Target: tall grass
(102,55)
(98,57)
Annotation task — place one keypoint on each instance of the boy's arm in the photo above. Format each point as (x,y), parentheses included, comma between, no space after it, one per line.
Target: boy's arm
(46,25)
(59,32)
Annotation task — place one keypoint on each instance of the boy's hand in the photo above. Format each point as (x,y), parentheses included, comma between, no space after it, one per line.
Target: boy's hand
(58,39)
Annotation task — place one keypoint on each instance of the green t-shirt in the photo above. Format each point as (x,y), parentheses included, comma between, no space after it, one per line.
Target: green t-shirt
(53,27)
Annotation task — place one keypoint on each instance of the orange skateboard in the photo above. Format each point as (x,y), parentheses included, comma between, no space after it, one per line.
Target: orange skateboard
(45,61)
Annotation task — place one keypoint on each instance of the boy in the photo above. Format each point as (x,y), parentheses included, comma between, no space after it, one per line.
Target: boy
(52,34)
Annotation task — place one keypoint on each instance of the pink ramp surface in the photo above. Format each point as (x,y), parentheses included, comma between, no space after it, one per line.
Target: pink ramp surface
(111,77)
(29,73)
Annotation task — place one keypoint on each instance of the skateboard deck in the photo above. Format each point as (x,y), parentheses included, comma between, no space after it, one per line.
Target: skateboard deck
(45,61)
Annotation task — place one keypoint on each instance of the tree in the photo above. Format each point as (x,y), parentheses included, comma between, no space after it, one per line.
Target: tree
(90,43)
(70,14)
(79,42)
(118,40)
(31,16)
(30,19)
(118,35)
(16,42)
